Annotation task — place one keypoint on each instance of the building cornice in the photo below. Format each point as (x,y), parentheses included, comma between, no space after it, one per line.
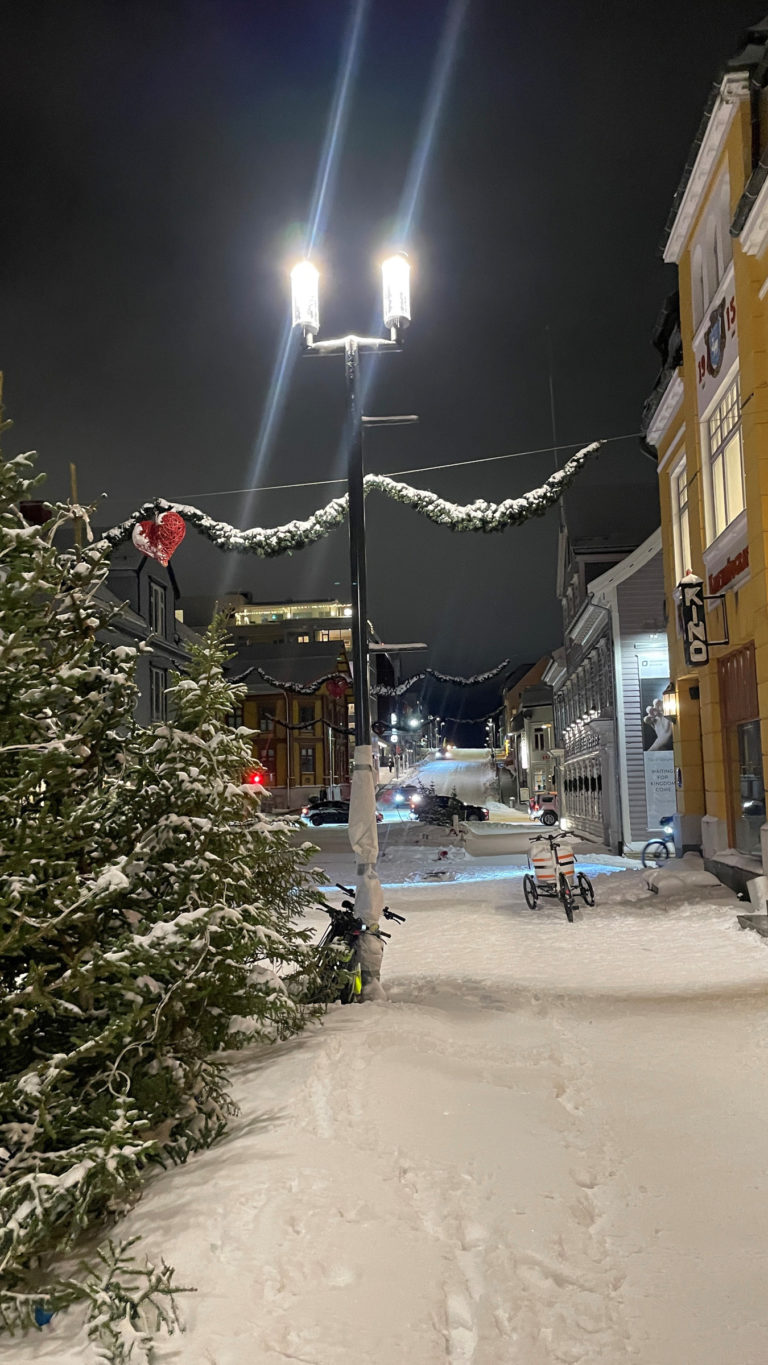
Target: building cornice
(754,234)
(733,89)
(670,402)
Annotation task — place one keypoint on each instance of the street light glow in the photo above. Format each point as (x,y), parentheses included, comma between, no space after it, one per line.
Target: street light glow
(305,302)
(395,277)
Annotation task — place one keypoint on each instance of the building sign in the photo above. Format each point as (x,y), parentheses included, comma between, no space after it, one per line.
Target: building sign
(715,348)
(658,757)
(660,798)
(734,567)
(694,621)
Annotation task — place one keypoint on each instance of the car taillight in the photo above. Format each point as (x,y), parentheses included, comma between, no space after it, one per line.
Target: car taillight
(305,810)
(486,813)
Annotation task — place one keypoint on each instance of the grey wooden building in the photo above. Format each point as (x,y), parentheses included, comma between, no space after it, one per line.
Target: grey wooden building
(148,599)
(613,748)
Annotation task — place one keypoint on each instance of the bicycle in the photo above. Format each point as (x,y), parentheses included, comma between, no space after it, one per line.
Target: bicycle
(554,874)
(657,852)
(356,964)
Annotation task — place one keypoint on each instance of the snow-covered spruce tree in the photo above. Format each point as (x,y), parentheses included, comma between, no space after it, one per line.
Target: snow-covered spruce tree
(216,892)
(70,1151)
(119,972)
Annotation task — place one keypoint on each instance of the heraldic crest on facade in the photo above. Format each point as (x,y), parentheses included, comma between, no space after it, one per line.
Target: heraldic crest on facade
(714,339)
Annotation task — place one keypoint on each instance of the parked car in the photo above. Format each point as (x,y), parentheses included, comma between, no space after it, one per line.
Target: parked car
(319,812)
(543,806)
(326,812)
(432,809)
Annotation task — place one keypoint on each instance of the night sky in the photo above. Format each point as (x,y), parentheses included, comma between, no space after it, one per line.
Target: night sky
(160,162)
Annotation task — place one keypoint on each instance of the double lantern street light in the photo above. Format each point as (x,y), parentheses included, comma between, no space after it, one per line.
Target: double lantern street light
(305,304)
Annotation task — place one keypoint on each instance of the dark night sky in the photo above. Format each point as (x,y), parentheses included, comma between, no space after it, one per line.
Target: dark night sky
(159,164)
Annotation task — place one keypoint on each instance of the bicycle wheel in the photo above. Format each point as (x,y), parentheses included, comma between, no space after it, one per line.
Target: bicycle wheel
(655,853)
(586,889)
(566,896)
(530,892)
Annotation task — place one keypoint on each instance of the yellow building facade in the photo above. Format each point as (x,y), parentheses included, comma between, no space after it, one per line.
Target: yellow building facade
(707,421)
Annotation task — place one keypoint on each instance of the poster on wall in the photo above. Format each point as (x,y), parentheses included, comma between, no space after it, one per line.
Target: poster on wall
(658,756)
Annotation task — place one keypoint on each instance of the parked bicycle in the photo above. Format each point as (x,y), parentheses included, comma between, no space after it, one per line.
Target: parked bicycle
(554,874)
(657,851)
(350,950)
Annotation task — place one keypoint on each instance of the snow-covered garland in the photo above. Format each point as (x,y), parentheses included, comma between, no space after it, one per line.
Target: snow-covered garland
(379,690)
(301,689)
(294,535)
(481,515)
(281,540)
(469,720)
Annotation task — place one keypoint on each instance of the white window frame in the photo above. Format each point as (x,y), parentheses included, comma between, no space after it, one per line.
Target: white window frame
(158,701)
(157,618)
(721,425)
(681,517)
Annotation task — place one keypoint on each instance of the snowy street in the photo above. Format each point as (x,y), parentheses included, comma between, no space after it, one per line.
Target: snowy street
(468,773)
(547,1148)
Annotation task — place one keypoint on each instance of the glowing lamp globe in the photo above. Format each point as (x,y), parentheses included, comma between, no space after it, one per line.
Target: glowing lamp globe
(305,302)
(669,701)
(396,285)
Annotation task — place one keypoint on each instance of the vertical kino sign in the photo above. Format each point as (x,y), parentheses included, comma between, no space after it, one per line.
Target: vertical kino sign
(693,616)
(694,621)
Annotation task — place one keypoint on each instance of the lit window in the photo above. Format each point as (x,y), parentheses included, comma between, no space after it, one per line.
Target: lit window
(680,519)
(157,608)
(303,640)
(157,698)
(726,469)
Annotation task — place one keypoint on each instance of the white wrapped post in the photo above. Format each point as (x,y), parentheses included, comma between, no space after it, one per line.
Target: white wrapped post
(364,836)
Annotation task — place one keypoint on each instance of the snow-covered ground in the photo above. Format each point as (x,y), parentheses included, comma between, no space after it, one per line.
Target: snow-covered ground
(546,1148)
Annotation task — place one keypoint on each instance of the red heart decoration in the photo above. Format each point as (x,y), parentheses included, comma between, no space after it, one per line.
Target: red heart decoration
(159,539)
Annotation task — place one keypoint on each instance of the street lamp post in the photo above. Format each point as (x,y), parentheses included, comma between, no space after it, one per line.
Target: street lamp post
(396,316)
